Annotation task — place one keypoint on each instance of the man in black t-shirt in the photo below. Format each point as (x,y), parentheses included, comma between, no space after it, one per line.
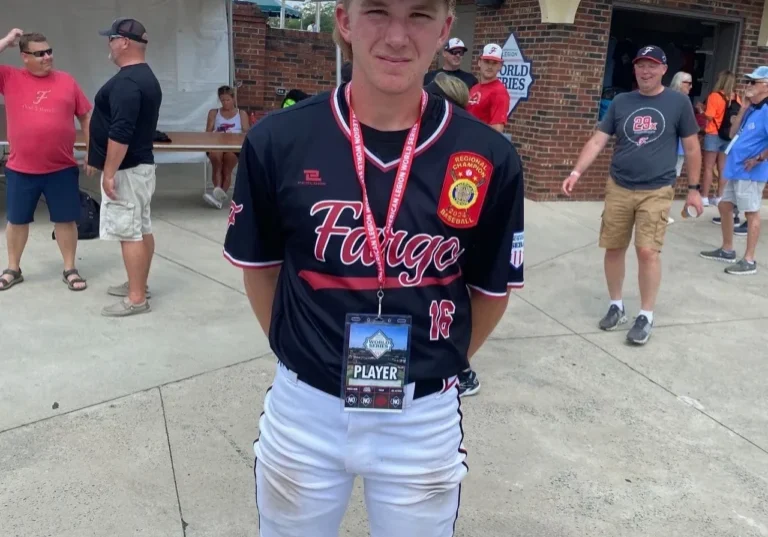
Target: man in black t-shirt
(122,131)
(379,230)
(453,52)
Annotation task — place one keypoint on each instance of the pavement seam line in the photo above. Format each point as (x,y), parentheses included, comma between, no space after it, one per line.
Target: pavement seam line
(197,272)
(558,256)
(131,394)
(670,392)
(173,467)
(649,379)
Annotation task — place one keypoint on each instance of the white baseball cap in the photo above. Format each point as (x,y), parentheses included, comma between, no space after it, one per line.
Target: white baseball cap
(491,52)
(455,43)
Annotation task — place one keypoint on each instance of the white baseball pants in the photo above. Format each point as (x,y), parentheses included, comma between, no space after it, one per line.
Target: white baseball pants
(310,450)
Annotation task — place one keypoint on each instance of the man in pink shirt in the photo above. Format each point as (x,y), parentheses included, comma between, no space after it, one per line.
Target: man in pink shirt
(40,106)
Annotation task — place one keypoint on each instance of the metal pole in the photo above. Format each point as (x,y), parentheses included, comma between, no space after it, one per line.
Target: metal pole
(282,14)
(338,66)
(317,16)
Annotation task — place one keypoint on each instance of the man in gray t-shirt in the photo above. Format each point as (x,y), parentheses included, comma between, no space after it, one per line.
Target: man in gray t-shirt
(647,129)
(647,124)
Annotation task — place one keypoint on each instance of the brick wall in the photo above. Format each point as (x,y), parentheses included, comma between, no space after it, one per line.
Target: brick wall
(568,65)
(270,58)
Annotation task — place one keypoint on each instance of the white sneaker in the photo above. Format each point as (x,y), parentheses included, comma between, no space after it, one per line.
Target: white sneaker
(670,220)
(705,202)
(715,202)
(219,194)
(210,200)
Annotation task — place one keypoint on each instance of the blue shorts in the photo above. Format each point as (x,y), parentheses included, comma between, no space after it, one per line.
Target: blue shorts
(714,144)
(61,190)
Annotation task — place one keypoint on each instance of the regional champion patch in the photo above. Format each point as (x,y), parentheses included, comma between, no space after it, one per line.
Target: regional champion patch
(464,188)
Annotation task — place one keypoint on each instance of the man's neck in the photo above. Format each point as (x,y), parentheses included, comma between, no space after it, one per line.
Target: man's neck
(449,68)
(653,92)
(132,61)
(487,80)
(382,111)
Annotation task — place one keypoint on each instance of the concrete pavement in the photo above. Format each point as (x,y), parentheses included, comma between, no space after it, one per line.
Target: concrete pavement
(144,426)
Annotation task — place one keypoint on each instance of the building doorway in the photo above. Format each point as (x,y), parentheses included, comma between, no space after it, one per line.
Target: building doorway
(700,46)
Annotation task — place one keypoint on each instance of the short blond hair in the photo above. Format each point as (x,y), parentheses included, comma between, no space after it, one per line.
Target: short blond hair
(346,48)
(456,90)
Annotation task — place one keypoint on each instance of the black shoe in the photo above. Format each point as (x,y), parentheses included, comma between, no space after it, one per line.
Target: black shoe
(613,318)
(717,222)
(741,230)
(640,332)
(468,383)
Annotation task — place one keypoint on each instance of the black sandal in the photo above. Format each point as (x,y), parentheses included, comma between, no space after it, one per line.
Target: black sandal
(71,283)
(6,284)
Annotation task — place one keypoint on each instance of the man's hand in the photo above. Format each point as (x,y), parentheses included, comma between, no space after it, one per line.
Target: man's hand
(569,183)
(110,187)
(12,39)
(694,200)
(751,163)
(89,170)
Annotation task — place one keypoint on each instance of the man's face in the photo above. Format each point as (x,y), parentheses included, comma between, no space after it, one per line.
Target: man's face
(649,74)
(452,58)
(38,58)
(489,69)
(117,45)
(757,90)
(393,41)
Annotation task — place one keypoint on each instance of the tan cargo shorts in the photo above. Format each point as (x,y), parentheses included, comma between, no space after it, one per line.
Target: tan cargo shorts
(127,217)
(644,210)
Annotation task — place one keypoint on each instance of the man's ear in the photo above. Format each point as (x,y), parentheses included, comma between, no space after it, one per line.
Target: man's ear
(446,32)
(342,21)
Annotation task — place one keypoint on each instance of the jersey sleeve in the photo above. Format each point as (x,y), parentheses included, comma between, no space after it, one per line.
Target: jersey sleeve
(499,108)
(495,259)
(5,72)
(82,105)
(254,238)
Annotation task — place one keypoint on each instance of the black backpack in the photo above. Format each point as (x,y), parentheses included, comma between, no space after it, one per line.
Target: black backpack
(732,109)
(88,224)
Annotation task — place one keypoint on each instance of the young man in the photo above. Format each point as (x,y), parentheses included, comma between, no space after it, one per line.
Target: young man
(746,169)
(40,105)
(489,99)
(122,133)
(647,124)
(356,263)
(453,51)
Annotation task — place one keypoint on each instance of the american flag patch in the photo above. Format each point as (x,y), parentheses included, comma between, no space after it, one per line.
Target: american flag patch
(518,242)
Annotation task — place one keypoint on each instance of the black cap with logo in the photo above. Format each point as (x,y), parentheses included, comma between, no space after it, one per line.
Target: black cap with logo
(130,28)
(655,54)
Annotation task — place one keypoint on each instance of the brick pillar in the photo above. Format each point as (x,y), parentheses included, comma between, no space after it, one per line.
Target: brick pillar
(250,33)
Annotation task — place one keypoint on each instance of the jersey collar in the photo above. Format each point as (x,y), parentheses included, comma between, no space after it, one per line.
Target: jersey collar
(430,130)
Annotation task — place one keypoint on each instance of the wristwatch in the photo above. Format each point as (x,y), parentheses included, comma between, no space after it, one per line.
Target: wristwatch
(694,187)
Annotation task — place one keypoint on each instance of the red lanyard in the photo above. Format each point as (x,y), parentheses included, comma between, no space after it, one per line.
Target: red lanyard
(398,190)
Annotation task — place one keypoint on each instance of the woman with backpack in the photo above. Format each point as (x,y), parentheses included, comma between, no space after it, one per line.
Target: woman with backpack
(723,104)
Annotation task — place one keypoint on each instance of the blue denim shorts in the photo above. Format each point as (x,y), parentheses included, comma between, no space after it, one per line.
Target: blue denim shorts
(61,190)
(714,144)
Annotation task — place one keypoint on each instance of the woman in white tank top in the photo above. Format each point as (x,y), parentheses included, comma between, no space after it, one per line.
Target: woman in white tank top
(228,118)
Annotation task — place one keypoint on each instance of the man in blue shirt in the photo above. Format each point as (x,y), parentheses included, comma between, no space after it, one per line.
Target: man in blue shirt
(746,168)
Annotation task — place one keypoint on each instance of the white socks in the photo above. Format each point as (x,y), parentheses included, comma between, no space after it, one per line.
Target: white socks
(648,314)
(620,304)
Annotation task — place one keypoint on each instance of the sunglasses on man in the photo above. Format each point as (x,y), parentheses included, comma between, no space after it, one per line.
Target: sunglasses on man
(40,53)
(753,82)
(456,52)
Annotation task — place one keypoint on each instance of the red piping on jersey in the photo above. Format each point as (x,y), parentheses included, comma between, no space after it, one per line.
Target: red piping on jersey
(448,385)
(318,281)
(342,123)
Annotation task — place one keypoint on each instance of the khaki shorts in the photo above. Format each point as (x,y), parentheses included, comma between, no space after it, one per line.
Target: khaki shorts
(644,210)
(127,217)
(746,195)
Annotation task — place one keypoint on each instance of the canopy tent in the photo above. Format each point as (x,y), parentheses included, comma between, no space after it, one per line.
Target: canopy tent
(190,50)
(271,8)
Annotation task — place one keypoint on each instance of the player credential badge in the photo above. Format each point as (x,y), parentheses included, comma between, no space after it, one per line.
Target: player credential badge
(375,368)
(464,188)
(518,248)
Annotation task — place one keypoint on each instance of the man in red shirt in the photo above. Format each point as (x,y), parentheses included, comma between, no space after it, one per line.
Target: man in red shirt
(489,100)
(40,105)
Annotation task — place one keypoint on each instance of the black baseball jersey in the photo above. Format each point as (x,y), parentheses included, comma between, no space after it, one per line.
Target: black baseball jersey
(298,203)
